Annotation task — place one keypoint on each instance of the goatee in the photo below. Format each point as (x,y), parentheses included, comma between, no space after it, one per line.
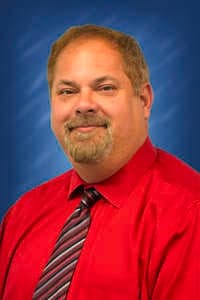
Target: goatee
(90,146)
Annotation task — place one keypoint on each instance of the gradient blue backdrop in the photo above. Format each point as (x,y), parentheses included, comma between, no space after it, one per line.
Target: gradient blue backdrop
(169,35)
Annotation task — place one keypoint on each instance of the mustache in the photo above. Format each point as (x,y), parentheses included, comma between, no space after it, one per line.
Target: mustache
(86,120)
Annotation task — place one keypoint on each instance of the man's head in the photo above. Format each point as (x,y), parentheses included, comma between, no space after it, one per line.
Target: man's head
(135,65)
(100,105)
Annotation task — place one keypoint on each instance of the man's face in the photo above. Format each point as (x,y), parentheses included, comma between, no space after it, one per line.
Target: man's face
(95,113)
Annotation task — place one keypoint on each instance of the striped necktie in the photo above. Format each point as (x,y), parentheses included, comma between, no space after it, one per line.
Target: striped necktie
(57,274)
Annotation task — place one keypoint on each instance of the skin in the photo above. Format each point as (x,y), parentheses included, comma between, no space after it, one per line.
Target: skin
(90,82)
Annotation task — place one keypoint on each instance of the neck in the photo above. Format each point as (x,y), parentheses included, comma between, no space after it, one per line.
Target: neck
(94,173)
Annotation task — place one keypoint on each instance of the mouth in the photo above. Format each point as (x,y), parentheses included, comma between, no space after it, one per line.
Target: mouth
(86,128)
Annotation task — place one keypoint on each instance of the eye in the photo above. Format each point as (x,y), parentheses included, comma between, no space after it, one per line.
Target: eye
(67,91)
(107,88)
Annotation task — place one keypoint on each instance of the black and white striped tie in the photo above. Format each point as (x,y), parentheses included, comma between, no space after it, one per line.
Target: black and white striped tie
(56,277)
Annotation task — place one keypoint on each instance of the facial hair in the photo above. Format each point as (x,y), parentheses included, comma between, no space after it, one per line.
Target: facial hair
(92,146)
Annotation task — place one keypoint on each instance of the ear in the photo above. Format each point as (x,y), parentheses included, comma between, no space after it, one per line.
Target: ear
(146,96)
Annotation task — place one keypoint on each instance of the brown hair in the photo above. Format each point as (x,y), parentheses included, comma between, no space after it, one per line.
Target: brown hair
(135,65)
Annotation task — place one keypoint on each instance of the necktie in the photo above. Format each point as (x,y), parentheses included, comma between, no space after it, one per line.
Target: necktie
(56,277)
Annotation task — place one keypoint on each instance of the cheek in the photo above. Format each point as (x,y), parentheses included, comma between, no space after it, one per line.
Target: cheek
(59,113)
(124,121)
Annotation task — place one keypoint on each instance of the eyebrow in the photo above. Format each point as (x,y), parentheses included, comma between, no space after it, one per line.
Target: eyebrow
(104,78)
(94,82)
(68,82)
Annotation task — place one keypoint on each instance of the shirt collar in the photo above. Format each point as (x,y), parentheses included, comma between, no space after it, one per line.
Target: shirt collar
(117,188)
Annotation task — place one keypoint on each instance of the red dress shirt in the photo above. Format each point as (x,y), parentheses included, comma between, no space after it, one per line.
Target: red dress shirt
(143,242)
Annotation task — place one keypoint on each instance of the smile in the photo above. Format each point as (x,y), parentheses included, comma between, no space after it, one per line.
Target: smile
(87,128)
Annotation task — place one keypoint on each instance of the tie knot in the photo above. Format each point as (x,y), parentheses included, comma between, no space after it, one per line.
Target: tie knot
(90,196)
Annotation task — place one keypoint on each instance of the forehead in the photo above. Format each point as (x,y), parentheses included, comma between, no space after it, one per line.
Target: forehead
(94,47)
(94,54)
(91,42)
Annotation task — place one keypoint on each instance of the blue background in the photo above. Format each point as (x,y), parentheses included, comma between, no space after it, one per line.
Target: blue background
(169,36)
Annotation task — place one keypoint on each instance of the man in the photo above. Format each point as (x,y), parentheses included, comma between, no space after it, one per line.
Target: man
(143,240)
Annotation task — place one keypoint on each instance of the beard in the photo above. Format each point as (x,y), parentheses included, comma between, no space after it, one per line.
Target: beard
(89,146)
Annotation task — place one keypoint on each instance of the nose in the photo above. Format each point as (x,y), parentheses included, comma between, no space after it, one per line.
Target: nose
(86,103)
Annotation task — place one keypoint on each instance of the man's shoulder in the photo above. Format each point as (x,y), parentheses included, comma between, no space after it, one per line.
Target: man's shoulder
(46,192)
(174,194)
(177,173)
(51,185)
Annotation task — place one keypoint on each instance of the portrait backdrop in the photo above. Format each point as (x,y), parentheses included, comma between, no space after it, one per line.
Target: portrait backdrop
(169,36)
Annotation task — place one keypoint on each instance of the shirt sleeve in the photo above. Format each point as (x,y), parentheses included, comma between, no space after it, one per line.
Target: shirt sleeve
(176,258)
(1,260)
(1,232)
(5,238)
